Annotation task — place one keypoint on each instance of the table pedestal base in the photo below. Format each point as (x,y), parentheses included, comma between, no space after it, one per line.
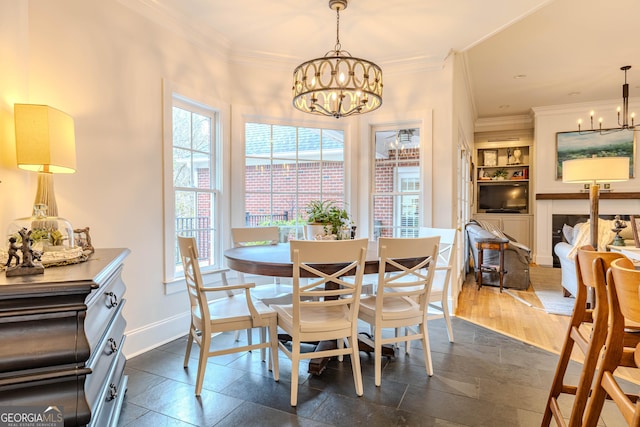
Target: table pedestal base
(316,366)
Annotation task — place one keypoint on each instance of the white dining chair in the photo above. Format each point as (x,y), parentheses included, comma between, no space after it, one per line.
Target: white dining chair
(271,293)
(402,296)
(229,312)
(324,306)
(443,276)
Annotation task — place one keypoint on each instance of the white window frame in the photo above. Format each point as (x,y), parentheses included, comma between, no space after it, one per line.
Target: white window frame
(420,170)
(317,125)
(177,96)
(404,172)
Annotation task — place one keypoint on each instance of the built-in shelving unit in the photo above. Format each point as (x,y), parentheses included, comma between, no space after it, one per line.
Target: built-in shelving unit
(502,181)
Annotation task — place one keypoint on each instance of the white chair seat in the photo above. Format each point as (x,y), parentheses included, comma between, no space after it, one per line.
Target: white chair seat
(392,308)
(273,293)
(402,297)
(438,283)
(444,274)
(236,308)
(324,307)
(233,312)
(314,319)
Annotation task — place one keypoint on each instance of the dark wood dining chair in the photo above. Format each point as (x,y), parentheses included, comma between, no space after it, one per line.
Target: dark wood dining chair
(587,331)
(623,287)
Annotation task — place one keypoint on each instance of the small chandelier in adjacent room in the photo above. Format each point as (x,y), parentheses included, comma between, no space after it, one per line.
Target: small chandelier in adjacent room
(623,113)
(337,84)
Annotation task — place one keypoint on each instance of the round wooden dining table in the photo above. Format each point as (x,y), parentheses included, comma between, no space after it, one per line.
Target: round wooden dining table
(275,260)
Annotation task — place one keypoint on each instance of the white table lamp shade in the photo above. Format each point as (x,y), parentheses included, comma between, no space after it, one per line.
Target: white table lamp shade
(45,139)
(596,169)
(45,143)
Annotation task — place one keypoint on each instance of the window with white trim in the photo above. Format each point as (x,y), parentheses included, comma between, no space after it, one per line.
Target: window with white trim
(396,181)
(288,166)
(192,165)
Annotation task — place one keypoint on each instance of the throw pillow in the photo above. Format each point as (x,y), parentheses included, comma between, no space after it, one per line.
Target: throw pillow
(567,232)
(576,230)
(627,233)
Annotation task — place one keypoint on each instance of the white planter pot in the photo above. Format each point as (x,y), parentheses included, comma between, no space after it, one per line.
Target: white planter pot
(313,230)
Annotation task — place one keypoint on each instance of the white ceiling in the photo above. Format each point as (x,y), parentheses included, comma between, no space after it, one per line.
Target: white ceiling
(570,51)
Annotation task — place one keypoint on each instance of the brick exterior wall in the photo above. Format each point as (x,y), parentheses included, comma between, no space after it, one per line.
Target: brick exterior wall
(384,184)
(258,185)
(310,179)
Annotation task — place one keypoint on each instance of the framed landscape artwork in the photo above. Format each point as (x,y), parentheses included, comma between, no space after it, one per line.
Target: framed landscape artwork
(580,145)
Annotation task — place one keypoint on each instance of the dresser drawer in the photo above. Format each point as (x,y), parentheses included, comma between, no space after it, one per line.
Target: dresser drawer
(104,356)
(107,409)
(101,307)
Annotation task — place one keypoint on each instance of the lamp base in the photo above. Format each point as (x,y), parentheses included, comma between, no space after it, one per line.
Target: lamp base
(45,194)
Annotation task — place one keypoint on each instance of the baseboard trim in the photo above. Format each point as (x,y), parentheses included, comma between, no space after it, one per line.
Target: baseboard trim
(544,261)
(156,334)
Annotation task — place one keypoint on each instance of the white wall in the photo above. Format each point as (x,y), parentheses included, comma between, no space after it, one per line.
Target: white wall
(548,121)
(418,94)
(15,194)
(422,95)
(104,64)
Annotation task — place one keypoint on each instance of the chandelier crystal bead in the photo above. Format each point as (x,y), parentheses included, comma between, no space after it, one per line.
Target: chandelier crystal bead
(337,84)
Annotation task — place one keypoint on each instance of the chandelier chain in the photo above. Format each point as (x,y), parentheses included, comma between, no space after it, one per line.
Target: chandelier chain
(337,84)
(338,45)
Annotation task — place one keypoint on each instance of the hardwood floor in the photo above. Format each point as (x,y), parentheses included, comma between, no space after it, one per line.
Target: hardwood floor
(503,313)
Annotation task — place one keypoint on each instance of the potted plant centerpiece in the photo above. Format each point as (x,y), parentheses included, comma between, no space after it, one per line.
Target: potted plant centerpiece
(325,219)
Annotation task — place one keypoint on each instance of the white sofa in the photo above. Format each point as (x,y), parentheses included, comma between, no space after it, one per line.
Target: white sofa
(577,236)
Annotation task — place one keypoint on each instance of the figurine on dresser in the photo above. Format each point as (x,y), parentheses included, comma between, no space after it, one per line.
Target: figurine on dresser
(30,259)
(13,252)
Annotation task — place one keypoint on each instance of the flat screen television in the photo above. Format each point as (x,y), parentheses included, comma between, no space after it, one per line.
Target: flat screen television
(503,197)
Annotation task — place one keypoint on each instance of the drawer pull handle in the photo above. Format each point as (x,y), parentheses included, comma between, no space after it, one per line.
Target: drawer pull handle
(113,345)
(113,299)
(113,392)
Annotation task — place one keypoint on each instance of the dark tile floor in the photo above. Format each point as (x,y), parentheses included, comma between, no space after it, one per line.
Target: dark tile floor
(483,379)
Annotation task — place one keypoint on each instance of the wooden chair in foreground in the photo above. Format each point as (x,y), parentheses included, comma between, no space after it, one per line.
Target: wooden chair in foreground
(402,297)
(439,297)
(227,313)
(324,306)
(624,287)
(591,267)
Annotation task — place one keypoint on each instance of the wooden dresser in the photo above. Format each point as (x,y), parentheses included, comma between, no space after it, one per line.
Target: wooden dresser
(61,338)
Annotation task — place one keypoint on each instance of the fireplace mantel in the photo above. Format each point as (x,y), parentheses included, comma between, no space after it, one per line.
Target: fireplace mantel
(548,204)
(585,196)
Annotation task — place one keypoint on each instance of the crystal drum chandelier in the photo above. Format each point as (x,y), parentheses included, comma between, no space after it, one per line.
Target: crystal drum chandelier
(623,114)
(337,84)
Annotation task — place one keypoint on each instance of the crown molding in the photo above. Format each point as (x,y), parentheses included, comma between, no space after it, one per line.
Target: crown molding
(582,107)
(522,121)
(205,38)
(218,44)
